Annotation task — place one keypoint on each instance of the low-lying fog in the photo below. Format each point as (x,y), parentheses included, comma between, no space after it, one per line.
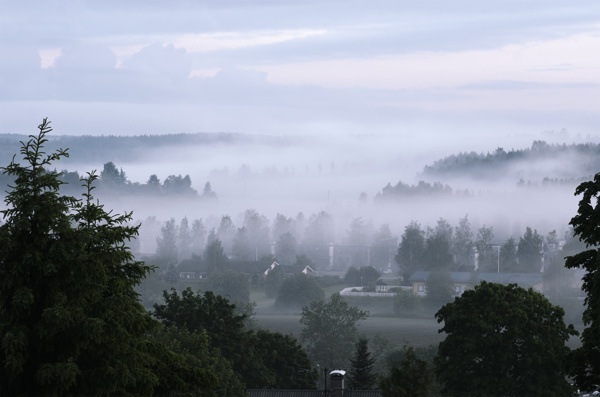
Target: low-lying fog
(343,176)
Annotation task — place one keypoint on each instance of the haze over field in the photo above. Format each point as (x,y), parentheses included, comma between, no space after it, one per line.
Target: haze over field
(346,97)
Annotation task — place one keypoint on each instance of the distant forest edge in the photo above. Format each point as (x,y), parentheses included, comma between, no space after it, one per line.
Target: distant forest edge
(582,158)
(560,164)
(87,148)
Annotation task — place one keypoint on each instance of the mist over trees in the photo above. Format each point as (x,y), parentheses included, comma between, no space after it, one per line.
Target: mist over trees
(288,257)
(494,164)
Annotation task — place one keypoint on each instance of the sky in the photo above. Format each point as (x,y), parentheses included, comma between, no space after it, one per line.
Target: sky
(428,71)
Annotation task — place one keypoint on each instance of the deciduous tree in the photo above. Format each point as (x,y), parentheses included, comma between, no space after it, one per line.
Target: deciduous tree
(166,244)
(330,330)
(297,291)
(503,340)
(529,251)
(364,276)
(586,225)
(411,250)
(412,378)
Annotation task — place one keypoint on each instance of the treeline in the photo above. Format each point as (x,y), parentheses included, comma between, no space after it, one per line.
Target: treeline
(494,164)
(114,181)
(403,190)
(284,238)
(87,148)
(441,247)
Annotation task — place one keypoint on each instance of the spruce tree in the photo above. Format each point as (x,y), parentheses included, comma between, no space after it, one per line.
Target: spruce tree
(361,376)
(70,320)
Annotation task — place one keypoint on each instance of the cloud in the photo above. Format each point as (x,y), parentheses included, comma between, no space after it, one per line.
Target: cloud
(206,42)
(84,58)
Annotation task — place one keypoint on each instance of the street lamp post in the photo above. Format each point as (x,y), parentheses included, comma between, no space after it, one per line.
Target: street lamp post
(499,264)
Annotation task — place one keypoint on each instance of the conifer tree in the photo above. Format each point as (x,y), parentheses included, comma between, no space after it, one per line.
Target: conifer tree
(71,322)
(361,376)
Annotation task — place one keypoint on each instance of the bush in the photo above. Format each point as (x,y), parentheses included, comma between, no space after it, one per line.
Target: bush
(406,303)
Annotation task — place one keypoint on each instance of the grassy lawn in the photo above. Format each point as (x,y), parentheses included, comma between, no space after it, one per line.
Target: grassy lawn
(398,331)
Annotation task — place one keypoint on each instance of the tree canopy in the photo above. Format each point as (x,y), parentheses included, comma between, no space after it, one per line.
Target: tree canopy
(503,340)
(361,375)
(586,224)
(329,331)
(259,359)
(297,291)
(71,322)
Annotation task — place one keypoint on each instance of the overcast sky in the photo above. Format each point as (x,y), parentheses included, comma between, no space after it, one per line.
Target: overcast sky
(427,69)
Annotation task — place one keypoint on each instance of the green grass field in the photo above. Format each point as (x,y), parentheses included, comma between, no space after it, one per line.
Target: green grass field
(398,331)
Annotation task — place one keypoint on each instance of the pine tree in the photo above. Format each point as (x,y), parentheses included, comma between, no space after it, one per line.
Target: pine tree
(361,376)
(70,320)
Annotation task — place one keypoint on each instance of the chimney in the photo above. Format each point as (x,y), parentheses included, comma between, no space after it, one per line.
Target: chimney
(337,382)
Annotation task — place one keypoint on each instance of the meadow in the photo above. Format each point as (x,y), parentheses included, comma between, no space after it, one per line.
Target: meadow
(417,332)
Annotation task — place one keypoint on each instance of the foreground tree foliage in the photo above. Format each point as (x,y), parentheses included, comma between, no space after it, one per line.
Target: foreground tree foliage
(503,341)
(70,320)
(586,224)
(259,359)
(411,378)
(329,331)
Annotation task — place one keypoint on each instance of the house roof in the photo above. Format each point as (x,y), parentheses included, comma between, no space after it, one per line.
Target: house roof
(191,265)
(308,270)
(524,279)
(380,282)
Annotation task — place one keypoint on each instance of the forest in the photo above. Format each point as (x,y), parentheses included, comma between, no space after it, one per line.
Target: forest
(193,289)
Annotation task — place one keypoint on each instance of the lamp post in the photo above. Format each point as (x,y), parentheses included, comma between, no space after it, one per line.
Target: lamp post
(498,259)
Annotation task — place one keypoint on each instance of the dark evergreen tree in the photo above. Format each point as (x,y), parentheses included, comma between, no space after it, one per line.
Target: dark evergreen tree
(71,322)
(111,177)
(361,375)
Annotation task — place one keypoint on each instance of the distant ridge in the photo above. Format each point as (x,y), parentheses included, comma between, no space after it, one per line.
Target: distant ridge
(581,159)
(129,148)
